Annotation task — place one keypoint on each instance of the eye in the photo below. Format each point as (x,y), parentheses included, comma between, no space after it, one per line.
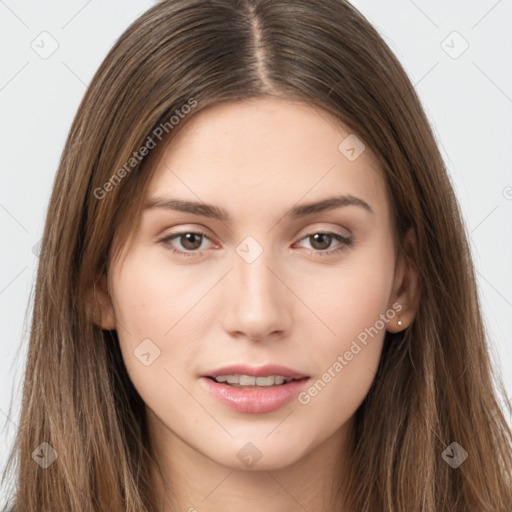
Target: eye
(191,241)
(322,240)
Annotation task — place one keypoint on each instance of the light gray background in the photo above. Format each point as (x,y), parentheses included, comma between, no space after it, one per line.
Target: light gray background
(468,100)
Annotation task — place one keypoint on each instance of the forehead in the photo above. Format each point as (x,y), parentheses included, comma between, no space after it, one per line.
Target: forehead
(265,155)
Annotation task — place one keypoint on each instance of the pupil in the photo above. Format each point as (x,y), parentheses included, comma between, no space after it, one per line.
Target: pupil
(188,244)
(322,236)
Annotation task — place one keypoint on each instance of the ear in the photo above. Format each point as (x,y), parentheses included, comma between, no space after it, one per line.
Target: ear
(405,285)
(100,307)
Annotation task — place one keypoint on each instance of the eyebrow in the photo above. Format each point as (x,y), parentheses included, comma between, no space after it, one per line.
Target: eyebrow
(215,212)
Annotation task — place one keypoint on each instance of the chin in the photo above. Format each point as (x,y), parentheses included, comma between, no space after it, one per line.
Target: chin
(257,453)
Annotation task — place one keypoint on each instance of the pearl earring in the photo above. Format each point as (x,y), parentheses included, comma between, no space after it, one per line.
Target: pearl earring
(399,323)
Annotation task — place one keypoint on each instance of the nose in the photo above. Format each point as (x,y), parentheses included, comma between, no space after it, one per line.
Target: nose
(257,301)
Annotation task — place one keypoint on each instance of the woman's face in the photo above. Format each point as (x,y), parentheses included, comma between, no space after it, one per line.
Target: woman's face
(266,250)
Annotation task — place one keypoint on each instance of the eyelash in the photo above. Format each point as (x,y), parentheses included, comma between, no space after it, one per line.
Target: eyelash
(344,243)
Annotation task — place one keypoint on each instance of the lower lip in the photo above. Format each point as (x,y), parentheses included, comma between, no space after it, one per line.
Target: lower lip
(254,401)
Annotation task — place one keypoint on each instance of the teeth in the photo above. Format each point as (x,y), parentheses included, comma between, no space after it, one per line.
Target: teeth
(247,380)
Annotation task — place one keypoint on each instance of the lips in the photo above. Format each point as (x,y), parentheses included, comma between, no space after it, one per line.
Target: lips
(257,371)
(250,389)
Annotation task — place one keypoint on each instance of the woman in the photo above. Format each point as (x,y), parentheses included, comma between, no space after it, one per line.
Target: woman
(255,287)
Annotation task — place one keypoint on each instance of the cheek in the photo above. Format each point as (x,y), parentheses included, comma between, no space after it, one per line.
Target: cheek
(355,308)
(347,362)
(157,306)
(152,296)
(147,308)
(350,297)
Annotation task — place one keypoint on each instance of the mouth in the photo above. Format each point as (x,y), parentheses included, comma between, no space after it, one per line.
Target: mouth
(249,389)
(252,382)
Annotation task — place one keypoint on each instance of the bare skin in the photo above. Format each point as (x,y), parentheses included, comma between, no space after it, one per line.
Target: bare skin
(298,304)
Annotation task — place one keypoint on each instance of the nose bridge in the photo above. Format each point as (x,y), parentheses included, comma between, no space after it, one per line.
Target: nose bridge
(257,283)
(255,277)
(256,305)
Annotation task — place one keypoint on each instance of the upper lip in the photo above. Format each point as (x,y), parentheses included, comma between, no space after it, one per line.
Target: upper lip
(257,371)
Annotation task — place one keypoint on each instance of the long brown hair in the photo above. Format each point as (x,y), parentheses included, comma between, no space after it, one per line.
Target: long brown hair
(434,385)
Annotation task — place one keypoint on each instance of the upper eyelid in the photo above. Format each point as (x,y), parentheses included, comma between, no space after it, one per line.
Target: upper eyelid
(345,232)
